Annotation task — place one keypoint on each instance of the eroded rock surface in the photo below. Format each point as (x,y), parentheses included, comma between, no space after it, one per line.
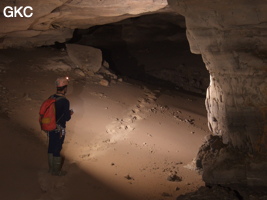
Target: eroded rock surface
(55,20)
(231,36)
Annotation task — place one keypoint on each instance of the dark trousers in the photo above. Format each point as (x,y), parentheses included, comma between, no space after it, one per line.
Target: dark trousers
(56,141)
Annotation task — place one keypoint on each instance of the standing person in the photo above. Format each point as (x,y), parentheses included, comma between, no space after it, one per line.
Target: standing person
(57,136)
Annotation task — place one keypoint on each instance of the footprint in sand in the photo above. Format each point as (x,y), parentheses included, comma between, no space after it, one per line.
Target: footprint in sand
(119,128)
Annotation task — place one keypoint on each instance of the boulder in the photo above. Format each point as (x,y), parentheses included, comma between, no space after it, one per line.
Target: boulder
(104,82)
(85,57)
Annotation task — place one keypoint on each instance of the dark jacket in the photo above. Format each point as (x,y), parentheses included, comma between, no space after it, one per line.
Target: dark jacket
(62,110)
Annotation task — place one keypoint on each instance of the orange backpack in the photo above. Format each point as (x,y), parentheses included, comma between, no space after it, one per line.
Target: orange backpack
(47,118)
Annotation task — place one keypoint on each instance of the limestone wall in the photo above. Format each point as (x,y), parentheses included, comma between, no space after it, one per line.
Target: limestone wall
(231,37)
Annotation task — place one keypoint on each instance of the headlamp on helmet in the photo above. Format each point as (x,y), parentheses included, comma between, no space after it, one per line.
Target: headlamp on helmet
(62,81)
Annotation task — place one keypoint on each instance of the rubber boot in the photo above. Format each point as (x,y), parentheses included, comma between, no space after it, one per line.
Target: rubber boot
(57,165)
(50,162)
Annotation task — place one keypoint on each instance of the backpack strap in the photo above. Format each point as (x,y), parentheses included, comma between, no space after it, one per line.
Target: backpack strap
(57,99)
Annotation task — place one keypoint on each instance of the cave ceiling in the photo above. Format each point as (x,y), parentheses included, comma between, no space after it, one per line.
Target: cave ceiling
(55,20)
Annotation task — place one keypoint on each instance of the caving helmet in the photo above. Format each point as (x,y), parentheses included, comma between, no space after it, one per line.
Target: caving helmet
(62,81)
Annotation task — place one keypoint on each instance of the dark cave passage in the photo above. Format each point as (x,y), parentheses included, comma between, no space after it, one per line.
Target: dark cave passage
(151,48)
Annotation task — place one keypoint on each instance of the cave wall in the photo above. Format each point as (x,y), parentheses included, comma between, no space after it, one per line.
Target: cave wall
(231,37)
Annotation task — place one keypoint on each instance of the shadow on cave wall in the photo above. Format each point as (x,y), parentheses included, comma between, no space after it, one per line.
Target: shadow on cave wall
(151,48)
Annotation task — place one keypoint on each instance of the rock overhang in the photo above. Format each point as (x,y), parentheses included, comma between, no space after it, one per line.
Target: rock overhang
(55,20)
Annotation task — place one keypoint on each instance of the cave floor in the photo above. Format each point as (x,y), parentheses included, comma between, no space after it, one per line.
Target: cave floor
(124,141)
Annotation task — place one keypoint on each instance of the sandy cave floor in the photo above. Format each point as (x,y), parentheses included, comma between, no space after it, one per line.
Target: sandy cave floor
(125,141)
